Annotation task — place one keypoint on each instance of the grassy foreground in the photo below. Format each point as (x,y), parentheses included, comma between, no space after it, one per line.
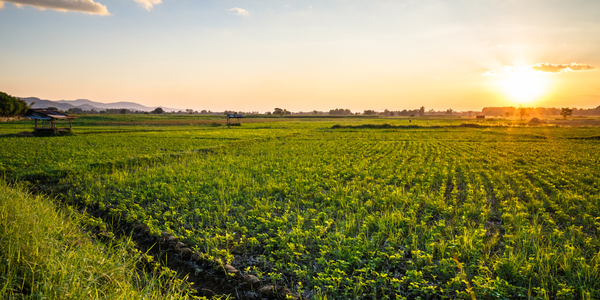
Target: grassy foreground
(46,255)
(334,209)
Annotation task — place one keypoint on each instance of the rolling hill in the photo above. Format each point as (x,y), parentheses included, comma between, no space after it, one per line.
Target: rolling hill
(86,104)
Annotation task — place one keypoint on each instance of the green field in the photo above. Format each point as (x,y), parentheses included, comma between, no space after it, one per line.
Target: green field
(345,208)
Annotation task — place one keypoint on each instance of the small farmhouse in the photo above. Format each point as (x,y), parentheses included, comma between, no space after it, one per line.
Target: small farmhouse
(47,119)
(235,116)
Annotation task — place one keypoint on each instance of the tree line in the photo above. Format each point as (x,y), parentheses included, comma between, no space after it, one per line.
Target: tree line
(12,106)
(511,111)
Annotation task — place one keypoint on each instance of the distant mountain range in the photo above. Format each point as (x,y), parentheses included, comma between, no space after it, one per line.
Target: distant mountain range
(89,105)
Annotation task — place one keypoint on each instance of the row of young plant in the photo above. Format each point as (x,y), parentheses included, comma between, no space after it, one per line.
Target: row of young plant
(43,155)
(380,214)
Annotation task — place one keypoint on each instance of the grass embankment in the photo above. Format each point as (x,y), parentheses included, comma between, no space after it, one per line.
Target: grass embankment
(46,255)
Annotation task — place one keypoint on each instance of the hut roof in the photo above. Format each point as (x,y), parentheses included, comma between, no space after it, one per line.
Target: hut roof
(234,116)
(46,114)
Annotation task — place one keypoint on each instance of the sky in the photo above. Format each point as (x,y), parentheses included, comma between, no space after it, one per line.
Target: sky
(250,55)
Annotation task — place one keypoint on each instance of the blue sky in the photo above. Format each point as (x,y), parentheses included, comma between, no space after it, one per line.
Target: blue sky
(303,55)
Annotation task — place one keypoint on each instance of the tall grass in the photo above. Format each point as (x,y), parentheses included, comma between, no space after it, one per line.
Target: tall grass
(44,254)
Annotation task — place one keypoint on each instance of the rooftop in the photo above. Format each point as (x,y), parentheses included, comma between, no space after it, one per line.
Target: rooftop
(46,114)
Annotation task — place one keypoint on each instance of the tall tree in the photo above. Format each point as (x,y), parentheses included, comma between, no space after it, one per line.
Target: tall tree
(565,112)
(369,112)
(522,112)
(279,111)
(12,106)
(340,111)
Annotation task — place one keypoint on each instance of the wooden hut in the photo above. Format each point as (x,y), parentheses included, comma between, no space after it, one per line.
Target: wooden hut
(480,117)
(47,119)
(235,116)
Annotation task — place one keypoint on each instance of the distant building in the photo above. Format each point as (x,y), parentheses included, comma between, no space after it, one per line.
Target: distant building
(235,116)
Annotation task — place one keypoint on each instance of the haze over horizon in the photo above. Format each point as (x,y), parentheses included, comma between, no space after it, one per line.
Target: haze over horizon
(304,55)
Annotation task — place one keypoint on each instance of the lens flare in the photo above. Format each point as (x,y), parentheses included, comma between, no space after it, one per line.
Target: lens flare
(524,85)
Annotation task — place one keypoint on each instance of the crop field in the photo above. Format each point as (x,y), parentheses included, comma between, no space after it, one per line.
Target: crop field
(349,211)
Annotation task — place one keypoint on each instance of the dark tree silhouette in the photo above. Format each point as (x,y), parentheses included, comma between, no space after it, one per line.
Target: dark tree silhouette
(279,111)
(369,112)
(340,111)
(522,111)
(565,112)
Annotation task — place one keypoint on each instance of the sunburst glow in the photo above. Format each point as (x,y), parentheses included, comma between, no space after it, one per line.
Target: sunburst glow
(525,85)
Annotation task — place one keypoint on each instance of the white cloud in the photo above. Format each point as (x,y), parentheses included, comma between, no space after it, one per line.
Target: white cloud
(490,73)
(238,11)
(85,6)
(148,4)
(510,69)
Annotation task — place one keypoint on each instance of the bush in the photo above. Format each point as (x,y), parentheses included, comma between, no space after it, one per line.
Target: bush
(536,121)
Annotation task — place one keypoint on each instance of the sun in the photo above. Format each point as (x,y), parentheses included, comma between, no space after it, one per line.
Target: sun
(524,85)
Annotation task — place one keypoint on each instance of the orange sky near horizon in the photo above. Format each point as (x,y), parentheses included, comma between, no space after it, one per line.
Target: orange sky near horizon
(302,56)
